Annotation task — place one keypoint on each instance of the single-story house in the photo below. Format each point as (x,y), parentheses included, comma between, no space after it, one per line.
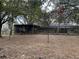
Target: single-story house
(35,29)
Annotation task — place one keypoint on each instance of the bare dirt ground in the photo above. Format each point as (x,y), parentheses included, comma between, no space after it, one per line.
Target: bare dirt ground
(37,47)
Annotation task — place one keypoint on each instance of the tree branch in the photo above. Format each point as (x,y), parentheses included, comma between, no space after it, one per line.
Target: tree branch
(4,15)
(5,21)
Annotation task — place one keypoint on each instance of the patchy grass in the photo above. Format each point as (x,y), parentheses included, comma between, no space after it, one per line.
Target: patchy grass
(37,47)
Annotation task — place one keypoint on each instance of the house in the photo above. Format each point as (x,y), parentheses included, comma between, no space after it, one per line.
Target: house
(26,28)
(36,29)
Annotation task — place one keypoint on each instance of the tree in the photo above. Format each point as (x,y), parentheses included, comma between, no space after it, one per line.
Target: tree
(46,22)
(0,17)
(6,9)
(34,11)
(3,16)
(29,9)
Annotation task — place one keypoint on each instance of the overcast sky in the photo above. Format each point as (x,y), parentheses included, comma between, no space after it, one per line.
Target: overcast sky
(49,5)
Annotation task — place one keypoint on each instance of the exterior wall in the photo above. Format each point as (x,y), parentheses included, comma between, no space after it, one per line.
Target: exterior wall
(26,29)
(35,29)
(5,29)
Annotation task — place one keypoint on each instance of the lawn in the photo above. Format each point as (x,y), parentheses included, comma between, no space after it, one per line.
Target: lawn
(38,47)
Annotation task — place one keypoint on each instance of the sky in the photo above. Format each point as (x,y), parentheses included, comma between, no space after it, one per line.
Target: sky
(48,6)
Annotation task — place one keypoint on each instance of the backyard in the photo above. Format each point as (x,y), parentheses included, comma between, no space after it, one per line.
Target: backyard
(38,47)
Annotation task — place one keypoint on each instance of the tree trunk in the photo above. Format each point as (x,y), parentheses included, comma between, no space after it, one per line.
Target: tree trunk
(0,30)
(58,29)
(48,36)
